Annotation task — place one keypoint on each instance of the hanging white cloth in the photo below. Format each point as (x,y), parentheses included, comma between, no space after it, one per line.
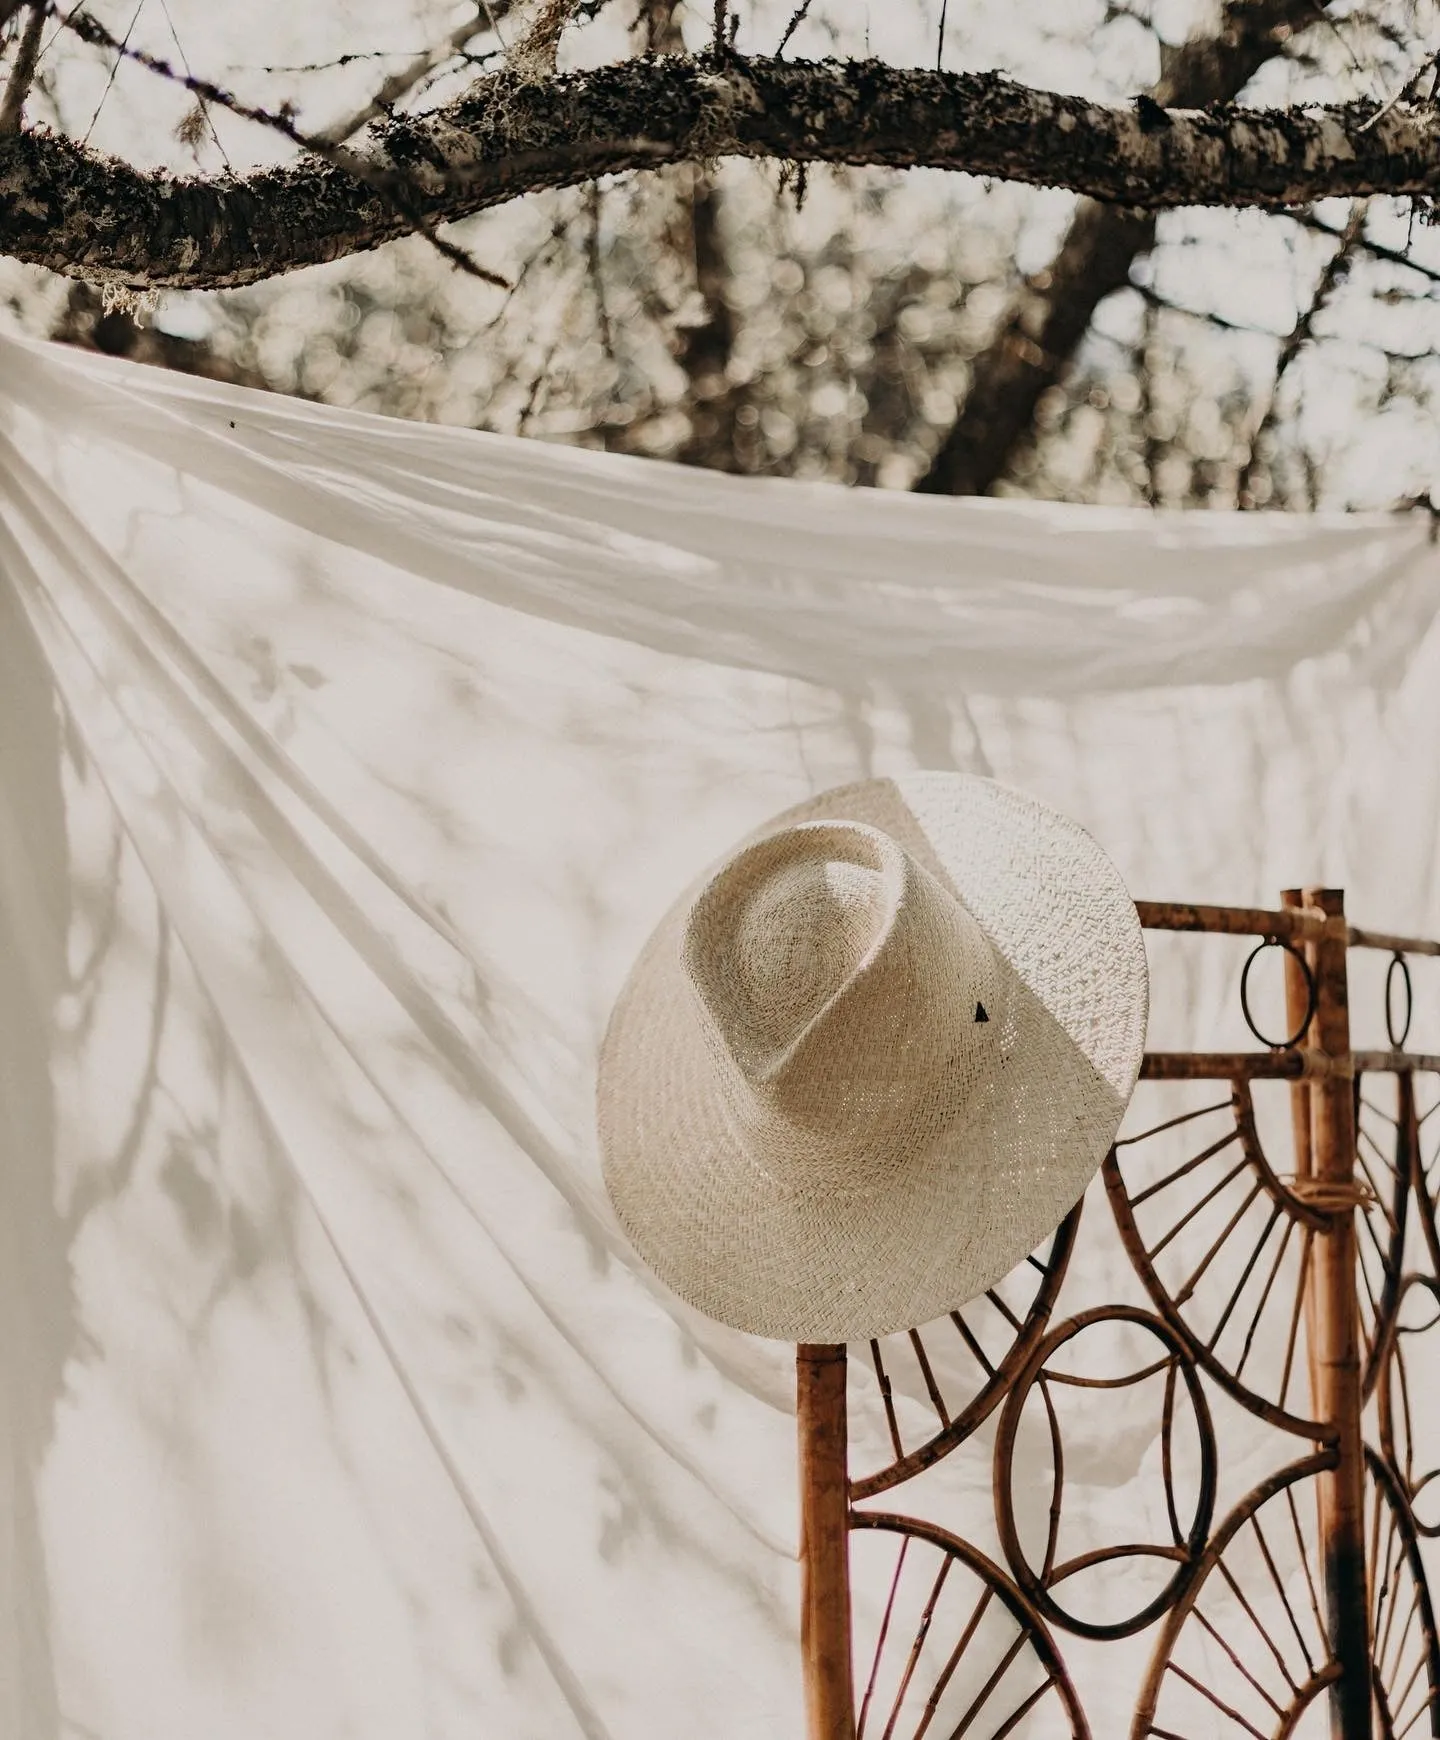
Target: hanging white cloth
(344,765)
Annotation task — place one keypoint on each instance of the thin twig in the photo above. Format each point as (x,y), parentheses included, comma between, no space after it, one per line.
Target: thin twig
(114,70)
(1153,447)
(1154,300)
(340,60)
(538,387)
(1376,250)
(602,308)
(386,184)
(540,257)
(1207,317)
(203,106)
(1318,7)
(1330,280)
(797,18)
(476,63)
(23,74)
(401,83)
(1430,65)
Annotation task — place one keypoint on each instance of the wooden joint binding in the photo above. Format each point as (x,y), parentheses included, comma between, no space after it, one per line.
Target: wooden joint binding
(1330,1196)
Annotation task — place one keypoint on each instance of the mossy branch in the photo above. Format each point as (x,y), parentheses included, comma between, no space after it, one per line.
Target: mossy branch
(70,209)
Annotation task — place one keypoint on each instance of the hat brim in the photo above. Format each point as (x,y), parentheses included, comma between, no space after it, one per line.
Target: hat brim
(828,1265)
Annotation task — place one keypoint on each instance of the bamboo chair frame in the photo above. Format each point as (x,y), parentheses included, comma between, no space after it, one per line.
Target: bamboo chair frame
(1320,1565)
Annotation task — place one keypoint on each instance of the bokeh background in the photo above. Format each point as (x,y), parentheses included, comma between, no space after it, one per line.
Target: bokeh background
(823,323)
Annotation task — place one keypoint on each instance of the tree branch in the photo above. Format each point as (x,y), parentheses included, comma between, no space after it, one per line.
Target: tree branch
(394,190)
(69,209)
(22,74)
(705,348)
(1046,322)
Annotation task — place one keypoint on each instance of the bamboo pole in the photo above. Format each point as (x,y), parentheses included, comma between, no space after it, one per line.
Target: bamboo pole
(824,1543)
(1298,1065)
(1394,945)
(1293,923)
(1303,1064)
(1297,999)
(1393,1063)
(1334,1317)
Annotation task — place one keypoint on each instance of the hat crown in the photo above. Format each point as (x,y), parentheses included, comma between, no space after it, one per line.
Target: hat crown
(799,938)
(840,984)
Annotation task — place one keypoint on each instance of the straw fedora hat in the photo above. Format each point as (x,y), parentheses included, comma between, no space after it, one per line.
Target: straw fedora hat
(872,1061)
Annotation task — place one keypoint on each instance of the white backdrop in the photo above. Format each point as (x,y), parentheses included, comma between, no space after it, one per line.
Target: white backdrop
(344,765)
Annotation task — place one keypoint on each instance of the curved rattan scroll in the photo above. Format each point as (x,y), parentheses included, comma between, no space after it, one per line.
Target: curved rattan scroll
(1387,1161)
(959,1650)
(1174,1376)
(1246,1650)
(1224,1246)
(990,1340)
(1406,1415)
(1176,1216)
(1411,1448)
(1405,1658)
(1418,1106)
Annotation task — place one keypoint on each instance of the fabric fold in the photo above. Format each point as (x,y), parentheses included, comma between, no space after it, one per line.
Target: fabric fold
(346,765)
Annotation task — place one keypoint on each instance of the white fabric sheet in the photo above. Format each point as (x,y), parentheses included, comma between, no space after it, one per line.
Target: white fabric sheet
(344,766)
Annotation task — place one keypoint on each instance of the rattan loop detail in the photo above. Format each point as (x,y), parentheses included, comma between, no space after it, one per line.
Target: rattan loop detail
(1397,1041)
(1278,942)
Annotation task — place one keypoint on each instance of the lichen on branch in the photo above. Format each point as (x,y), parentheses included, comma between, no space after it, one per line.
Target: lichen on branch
(70,209)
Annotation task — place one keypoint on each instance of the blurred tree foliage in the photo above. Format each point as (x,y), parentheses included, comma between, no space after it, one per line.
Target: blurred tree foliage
(897,329)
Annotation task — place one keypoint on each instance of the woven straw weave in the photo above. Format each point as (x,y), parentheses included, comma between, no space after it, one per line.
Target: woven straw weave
(872,1062)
